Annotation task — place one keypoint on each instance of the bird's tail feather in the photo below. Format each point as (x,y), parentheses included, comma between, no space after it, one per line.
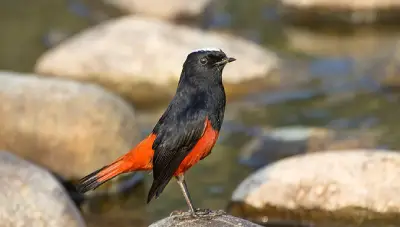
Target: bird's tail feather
(100,176)
(157,188)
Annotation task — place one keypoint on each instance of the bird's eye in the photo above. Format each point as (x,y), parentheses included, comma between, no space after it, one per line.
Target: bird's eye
(203,61)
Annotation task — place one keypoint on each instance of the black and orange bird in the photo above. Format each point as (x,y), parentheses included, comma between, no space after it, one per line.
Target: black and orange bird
(186,132)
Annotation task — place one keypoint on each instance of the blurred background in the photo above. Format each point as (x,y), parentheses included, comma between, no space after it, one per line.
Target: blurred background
(312,99)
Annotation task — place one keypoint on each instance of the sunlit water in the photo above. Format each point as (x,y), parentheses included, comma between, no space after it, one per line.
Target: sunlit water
(331,79)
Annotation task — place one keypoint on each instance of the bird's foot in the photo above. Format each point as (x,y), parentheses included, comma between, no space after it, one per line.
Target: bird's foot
(207,213)
(177,213)
(198,213)
(181,215)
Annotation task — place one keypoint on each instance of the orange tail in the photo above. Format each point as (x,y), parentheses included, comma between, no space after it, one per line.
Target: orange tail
(139,158)
(100,176)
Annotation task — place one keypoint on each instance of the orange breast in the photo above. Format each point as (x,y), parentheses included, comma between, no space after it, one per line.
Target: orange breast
(200,150)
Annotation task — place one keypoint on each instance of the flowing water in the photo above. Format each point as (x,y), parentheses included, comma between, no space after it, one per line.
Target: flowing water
(332,77)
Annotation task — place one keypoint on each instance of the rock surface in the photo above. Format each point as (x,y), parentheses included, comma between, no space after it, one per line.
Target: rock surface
(350,11)
(165,9)
(361,45)
(219,221)
(69,127)
(278,143)
(31,196)
(134,56)
(329,181)
(348,4)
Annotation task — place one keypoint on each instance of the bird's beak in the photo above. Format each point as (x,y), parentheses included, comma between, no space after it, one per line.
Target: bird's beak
(231,60)
(225,61)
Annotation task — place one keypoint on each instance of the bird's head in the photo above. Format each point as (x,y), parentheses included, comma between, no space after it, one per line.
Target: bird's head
(206,63)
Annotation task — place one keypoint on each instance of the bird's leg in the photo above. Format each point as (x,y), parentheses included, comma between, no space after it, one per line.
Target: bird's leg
(185,191)
(193,212)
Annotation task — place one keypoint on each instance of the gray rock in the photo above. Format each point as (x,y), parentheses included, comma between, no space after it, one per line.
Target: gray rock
(31,196)
(278,143)
(165,9)
(219,221)
(328,181)
(69,127)
(349,4)
(362,45)
(352,11)
(134,56)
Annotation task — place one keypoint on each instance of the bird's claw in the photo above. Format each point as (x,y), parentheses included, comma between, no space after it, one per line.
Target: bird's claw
(181,215)
(209,213)
(177,213)
(198,213)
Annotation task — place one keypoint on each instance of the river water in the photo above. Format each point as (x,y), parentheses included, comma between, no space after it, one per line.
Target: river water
(333,77)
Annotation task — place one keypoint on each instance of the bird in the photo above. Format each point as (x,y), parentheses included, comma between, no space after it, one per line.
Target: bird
(189,128)
(184,134)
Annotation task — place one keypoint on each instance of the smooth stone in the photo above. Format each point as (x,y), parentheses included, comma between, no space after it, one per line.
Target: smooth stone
(218,221)
(347,11)
(31,196)
(343,4)
(69,127)
(141,58)
(349,184)
(362,44)
(164,9)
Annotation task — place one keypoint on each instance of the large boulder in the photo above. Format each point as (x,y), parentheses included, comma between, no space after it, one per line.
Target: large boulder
(165,9)
(141,58)
(358,185)
(69,127)
(218,221)
(31,196)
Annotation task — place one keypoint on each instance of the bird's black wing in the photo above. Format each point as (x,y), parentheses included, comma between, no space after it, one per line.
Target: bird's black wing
(176,136)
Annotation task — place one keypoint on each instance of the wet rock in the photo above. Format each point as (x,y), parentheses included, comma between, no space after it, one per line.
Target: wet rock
(218,221)
(278,143)
(359,185)
(349,11)
(134,56)
(31,196)
(69,127)
(165,9)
